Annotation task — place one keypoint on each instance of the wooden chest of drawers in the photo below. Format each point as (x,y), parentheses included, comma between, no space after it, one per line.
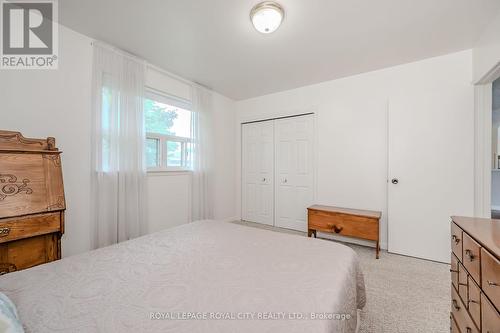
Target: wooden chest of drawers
(475,275)
(32,202)
(363,224)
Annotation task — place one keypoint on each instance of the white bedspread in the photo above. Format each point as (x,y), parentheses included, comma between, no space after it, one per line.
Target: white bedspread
(207,269)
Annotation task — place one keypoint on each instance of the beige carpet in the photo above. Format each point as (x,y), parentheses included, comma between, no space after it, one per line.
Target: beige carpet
(403,294)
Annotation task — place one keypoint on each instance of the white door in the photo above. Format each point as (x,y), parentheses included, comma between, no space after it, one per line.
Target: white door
(430,173)
(294,163)
(258,172)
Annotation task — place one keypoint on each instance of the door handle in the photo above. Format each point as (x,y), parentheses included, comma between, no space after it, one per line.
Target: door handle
(455,304)
(469,255)
(4,232)
(337,229)
(395,181)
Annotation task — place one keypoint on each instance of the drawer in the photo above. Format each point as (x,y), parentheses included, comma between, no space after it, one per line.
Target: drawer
(474,302)
(490,269)
(490,318)
(454,271)
(29,252)
(346,225)
(456,240)
(462,282)
(462,317)
(29,226)
(471,257)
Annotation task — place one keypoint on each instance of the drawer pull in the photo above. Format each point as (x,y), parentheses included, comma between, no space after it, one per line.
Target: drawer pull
(472,301)
(469,330)
(455,305)
(469,255)
(462,284)
(454,270)
(491,283)
(337,229)
(4,232)
(456,239)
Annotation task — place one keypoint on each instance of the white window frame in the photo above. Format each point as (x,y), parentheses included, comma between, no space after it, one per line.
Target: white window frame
(162,146)
(163,138)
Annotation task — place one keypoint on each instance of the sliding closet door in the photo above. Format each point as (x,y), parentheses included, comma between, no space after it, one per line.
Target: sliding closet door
(294,171)
(258,172)
(430,172)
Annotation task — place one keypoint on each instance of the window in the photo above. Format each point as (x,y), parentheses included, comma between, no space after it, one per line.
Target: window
(106,125)
(168,132)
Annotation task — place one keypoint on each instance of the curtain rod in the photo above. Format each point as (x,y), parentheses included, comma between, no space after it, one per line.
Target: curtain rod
(148,64)
(118,50)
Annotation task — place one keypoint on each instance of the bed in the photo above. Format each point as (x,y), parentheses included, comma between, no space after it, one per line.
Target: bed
(205,276)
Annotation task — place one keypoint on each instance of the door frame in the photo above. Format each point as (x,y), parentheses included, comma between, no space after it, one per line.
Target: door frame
(483,113)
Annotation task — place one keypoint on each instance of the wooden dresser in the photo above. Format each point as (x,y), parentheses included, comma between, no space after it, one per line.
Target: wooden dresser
(363,224)
(475,275)
(32,202)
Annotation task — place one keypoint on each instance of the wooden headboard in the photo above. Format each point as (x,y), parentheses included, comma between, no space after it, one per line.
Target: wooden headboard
(32,201)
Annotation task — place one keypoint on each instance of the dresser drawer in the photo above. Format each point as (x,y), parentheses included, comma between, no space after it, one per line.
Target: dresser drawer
(29,252)
(462,317)
(454,271)
(471,257)
(345,225)
(462,282)
(29,226)
(490,318)
(490,268)
(456,240)
(474,302)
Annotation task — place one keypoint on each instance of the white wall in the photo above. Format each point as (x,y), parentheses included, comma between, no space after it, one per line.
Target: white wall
(225,158)
(41,103)
(486,53)
(351,126)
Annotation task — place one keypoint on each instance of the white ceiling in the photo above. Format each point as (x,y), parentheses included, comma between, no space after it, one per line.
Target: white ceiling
(213,42)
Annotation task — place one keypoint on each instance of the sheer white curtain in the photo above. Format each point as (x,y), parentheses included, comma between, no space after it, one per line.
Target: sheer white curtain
(202,155)
(118,139)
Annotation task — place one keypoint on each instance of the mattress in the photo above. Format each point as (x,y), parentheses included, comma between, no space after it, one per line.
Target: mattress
(205,276)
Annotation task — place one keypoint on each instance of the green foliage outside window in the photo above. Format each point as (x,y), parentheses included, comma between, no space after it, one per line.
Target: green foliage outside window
(158,118)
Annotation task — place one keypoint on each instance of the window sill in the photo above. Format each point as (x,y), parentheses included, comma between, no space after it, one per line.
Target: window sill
(168,172)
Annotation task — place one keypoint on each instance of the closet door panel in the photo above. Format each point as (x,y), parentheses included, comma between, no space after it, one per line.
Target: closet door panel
(294,171)
(258,172)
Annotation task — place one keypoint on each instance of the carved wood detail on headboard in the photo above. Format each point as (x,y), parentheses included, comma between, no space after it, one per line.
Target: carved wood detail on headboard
(30,175)
(32,201)
(16,141)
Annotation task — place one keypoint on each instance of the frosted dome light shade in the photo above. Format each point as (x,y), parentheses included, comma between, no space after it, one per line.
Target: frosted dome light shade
(267,17)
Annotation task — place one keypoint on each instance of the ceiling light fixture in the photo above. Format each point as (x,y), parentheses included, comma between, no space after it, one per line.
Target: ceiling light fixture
(267,16)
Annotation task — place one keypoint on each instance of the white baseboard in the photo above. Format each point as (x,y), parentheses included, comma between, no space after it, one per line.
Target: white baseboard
(230,219)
